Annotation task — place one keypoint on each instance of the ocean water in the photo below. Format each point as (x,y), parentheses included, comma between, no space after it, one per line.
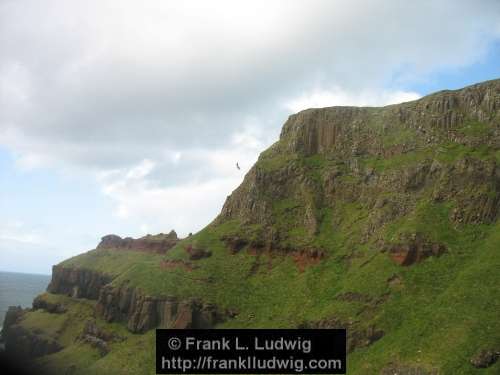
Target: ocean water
(19,289)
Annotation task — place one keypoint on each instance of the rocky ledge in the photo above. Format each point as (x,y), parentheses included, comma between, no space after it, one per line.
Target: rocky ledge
(51,307)
(77,283)
(128,304)
(97,337)
(414,249)
(159,243)
(141,312)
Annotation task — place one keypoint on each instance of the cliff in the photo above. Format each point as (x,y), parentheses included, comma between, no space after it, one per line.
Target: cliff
(77,283)
(382,220)
(443,147)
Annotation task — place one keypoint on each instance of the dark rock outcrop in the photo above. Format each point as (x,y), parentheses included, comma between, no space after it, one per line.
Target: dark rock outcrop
(77,282)
(141,313)
(92,329)
(97,337)
(41,303)
(12,316)
(112,241)
(414,250)
(485,358)
(97,343)
(196,253)
(159,243)
(234,243)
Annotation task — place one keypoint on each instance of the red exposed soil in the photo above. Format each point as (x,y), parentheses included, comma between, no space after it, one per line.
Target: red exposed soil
(415,251)
(301,258)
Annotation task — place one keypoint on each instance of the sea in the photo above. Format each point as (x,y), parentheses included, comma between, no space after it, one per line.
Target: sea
(19,289)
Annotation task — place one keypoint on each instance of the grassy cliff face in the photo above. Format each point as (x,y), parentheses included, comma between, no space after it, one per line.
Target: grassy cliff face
(382,220)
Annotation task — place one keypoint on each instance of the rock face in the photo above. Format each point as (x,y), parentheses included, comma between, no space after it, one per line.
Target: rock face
(159,243)
(234,243)
(384,160)
(196,254)
(346,130)
(92,329)
(77,283)
(415,250)
(54,308)
(124,304)
(141,313)
(97,337)
(12,316)
(129,305)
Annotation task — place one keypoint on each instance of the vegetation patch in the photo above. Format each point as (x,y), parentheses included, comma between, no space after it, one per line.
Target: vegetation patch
(475,129)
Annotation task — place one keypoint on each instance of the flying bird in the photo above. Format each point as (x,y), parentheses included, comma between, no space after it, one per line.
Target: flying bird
(238,166)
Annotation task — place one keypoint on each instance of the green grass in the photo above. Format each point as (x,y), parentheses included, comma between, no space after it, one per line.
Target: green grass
(475,129)
(398,137)
(396,162)
(127,357)
(316,162)
(451,152)
(108,261)
(272,159)
(446,310)
(428,218)
(76,356)
(62,327)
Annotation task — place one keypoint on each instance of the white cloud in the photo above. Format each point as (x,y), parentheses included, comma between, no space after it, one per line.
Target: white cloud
(105,84)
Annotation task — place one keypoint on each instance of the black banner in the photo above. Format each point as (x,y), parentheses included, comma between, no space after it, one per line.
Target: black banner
(251,351)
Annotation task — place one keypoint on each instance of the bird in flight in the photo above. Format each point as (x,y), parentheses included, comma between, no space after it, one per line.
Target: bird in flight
(238,166)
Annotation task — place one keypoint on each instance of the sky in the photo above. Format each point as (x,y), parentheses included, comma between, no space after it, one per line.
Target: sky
(128,117)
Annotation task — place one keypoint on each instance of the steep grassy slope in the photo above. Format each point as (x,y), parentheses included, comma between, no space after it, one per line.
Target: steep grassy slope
(382,220)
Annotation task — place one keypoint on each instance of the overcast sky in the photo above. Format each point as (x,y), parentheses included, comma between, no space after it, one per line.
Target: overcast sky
(128,117)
